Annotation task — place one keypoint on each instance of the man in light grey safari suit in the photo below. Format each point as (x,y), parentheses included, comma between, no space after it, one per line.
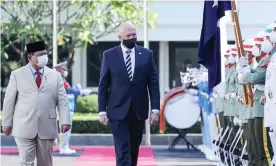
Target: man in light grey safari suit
(29,110)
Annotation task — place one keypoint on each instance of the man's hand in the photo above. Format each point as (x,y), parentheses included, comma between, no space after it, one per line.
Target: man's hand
(7,130)
(103,119)
(154,118)
(65,128)
(240,99)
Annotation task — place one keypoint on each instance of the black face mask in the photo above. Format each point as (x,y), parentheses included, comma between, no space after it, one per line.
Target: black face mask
(130,43)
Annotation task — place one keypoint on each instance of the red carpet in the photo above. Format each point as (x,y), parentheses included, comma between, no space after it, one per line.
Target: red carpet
(105,156)
(100,156)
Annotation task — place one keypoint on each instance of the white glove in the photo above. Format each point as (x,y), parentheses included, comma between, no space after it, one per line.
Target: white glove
(235,121)
(226,97)
(205,95)
(242,100)
(78,86)
(154,118)
(245,70)
(232,95)
(240,78)
(240,122)
(211,100)
(103,119)
(215,95)
(243,61)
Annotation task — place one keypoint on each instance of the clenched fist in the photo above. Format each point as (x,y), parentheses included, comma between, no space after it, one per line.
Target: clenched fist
(7,130)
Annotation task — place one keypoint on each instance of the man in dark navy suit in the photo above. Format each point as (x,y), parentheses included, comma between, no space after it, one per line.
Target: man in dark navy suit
(128,78)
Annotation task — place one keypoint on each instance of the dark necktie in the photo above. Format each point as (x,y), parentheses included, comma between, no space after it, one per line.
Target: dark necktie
(38,78)
(128,65)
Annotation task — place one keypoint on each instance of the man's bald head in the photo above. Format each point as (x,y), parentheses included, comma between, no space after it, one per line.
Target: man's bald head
(126,31)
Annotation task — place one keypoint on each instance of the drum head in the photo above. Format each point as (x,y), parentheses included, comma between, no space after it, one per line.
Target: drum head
(181,112)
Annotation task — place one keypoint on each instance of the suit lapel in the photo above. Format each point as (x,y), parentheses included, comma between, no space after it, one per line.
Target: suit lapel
(30,76)
(137,62)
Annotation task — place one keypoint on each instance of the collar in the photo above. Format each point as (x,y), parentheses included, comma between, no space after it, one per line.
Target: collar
(34,70)
(124,49)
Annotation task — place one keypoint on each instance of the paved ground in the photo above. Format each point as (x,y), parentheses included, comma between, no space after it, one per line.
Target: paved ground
(164,157)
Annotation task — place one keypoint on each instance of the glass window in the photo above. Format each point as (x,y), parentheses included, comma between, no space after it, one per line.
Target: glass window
(181,55)
(94,59)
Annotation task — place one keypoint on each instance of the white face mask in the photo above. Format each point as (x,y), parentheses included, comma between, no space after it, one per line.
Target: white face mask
(42,60)
(273,37)
(256,51)
(237,59)
(226,61)
(266,46)
(231,59)
(65,73)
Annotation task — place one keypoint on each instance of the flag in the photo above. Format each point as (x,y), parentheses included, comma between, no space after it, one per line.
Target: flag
(209,53)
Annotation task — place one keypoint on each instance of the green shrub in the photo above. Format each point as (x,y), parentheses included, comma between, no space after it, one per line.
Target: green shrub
(94,126)
(87,104)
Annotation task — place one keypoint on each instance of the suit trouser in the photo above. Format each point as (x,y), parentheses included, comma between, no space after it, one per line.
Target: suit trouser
(127,135)
(30,148)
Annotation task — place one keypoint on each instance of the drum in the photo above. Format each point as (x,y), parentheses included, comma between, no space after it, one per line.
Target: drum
(179,109)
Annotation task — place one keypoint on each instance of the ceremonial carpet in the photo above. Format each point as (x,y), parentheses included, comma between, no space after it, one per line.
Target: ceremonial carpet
(99,156)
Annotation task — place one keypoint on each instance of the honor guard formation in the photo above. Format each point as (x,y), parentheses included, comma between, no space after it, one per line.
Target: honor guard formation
(238,115)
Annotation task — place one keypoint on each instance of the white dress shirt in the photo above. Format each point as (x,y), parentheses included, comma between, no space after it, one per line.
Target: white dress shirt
(33,70)
(132,56)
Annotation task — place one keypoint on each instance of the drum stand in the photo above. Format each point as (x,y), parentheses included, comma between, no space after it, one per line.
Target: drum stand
(182,133)
(226,147)
(233,145)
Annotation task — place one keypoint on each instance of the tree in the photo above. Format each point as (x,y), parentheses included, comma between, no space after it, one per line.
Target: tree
(79,23)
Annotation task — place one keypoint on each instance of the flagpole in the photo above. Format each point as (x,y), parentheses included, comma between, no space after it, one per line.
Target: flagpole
(248,95)
(54,53)
(146,45)
(223,46)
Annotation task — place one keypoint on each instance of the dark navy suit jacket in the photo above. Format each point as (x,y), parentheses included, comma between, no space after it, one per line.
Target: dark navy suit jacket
(117,93)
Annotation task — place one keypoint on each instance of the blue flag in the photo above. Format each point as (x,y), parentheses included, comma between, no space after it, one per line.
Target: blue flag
(209,46)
